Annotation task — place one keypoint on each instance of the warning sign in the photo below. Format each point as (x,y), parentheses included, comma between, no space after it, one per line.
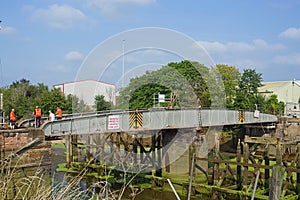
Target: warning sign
(113,122)
(135,120)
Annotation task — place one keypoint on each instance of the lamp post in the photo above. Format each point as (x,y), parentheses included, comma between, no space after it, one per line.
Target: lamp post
(123,65)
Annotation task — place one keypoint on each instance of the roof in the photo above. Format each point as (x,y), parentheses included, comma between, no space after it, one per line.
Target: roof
(269,87)
(90,80)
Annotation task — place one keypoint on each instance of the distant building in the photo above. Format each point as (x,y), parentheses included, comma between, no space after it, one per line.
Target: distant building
(286,91)
(86,90)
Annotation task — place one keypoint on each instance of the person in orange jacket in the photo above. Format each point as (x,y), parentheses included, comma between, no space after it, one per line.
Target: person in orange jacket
(58,113)
(38,116)
(12,119)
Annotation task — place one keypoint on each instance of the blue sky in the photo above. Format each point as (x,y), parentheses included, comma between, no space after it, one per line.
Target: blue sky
(47,41)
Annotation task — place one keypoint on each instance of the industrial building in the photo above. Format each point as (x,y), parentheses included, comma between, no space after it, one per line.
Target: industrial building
(287,92)
(86,90)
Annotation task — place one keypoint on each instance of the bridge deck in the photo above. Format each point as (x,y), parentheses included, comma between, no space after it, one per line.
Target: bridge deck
(156,119)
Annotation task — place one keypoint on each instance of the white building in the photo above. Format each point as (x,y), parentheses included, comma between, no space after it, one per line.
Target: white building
(86,90)
(286,91)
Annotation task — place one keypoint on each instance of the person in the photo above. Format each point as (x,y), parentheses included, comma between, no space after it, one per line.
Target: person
(51,116)
(38,116)
(199,102)
(12,119)
(58,113)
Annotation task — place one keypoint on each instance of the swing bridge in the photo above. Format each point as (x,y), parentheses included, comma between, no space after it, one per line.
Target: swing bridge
(152,136)
(152,119)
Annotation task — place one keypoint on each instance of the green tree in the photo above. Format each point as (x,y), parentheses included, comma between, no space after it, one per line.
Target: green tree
(101,104)
(76,105)
(230,77)
(19,95)
(188,80)
(51,99)
(246,95)
(273,106)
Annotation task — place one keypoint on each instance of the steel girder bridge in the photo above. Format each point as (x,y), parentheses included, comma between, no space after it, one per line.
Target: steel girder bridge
(152,119)
(145,140)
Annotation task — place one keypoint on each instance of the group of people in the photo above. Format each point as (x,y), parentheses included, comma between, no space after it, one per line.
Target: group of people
(57,115)
(37,113)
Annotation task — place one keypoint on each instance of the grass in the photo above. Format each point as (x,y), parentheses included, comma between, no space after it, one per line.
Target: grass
(37,184)
(58,145)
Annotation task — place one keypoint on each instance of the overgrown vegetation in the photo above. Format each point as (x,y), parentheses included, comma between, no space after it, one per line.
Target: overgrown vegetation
(37,184)
(15,184)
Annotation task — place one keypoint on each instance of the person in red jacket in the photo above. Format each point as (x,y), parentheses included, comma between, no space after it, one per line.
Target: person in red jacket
(12,119)
(38,116)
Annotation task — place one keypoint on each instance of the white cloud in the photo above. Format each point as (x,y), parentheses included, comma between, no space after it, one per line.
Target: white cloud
(60,17)
(257,44)
(291,59)
(73,55)
(291,33)
(112,7)
(7,30)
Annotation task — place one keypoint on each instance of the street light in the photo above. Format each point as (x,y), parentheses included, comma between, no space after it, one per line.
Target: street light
(123,68)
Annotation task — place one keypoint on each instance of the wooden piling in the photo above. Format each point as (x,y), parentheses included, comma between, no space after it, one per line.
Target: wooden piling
(135,148)
(141,148)
(216,168)
(267,171)
(238,167)
(74,149)
(99,142)
(68,151)
(88,148)
(159,154)
(278,152)
(276,182)
(298,167)
(246,160)
(153,144)
(277,175)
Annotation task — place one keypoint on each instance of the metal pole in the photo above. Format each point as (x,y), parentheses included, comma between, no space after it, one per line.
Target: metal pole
(123,66)
(173,189)
(255,185)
